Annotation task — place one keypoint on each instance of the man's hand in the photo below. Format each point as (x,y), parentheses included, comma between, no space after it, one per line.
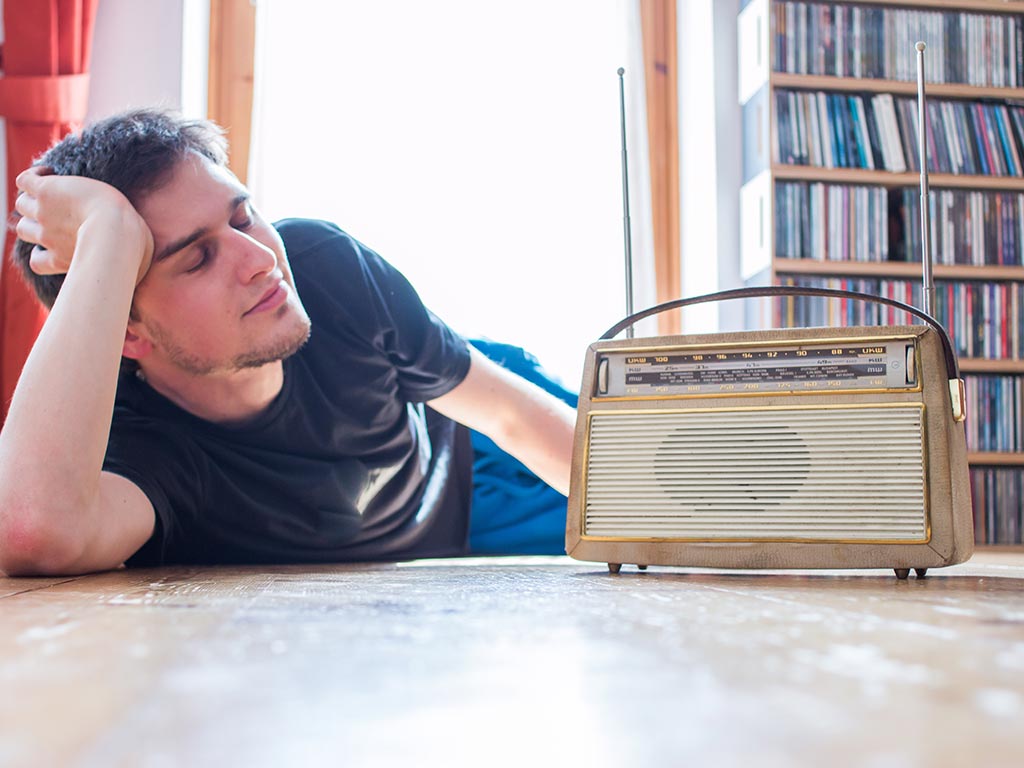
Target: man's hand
(56,210)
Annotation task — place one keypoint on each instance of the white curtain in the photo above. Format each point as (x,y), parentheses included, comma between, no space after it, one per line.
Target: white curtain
(474,145)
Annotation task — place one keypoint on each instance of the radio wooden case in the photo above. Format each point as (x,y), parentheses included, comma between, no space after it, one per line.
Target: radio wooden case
(807,448)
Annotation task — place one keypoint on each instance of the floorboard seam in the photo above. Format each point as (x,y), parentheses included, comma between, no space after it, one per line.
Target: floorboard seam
(42,586)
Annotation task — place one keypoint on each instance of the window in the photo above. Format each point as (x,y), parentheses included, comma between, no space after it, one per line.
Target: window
(473,145)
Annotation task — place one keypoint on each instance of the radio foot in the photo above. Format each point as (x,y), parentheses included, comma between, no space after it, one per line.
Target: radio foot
(614,567)
(641,567)
(920,572)
(902,573)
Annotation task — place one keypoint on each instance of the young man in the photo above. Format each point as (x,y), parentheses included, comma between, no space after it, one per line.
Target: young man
(212,389)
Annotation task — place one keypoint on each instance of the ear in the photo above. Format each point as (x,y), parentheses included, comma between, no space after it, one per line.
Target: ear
(136,344)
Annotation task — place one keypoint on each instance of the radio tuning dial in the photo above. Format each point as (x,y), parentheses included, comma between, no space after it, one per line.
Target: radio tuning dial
(911,367)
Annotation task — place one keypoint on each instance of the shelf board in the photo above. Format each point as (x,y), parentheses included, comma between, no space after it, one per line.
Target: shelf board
(981,365)
(904,269)
(802,82)
(992,6)
(890,179)
(995,459)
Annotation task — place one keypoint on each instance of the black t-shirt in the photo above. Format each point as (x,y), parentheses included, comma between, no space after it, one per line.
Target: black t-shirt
(345,464)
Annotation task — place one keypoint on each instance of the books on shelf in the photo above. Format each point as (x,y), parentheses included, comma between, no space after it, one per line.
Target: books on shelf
(997,413)
(997,494)
(879,131)
(983,319)
(844,40)
(976,227)
(831,222)
(871,223)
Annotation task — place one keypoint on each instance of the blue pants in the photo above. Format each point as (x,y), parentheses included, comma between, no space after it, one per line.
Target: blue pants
(514,512)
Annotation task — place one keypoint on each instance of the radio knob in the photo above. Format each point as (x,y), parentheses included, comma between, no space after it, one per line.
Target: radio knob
(602,376)
(911,367)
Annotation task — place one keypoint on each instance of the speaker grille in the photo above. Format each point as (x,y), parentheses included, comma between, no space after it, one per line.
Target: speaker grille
(821,474)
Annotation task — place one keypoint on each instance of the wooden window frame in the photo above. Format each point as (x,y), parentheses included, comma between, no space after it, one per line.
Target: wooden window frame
(658,25)
(231,76)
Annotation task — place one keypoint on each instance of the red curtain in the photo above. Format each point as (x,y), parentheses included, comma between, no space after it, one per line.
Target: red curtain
(43,96)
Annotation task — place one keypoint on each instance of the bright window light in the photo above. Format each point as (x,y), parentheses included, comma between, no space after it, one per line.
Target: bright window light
(474,145)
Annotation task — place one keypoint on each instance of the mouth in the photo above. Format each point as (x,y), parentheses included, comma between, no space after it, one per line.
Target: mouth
(273,298)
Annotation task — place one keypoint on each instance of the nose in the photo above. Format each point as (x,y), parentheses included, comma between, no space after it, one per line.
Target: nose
(253,259)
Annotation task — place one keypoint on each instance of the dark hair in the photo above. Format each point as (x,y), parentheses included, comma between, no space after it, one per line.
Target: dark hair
(135,152)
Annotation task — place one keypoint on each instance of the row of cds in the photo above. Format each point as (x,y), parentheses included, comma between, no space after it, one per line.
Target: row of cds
(845,222)
(995,408)
(831,222)
(966,227)
(983,319)
(855,41)
(880,131)
(998,498)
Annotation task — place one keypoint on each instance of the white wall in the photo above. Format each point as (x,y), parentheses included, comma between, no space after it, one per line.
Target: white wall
(709,158)
(728,161)
(137,55)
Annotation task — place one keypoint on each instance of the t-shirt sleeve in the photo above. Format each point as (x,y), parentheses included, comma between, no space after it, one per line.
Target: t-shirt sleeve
(430,358)
(160,465)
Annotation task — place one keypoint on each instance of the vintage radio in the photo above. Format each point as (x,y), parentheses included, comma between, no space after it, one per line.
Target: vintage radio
(806,448)
(802,448)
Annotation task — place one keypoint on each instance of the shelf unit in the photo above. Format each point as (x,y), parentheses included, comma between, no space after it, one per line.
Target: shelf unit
(762,171)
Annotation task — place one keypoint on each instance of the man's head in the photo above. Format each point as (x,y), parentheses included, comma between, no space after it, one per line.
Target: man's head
(135,153)
(219,294)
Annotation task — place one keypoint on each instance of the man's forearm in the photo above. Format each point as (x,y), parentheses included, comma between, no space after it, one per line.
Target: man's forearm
(524,420)
(53,442)
(542,438)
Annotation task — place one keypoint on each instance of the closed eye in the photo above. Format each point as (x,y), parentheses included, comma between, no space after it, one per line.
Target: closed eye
(243,218)
(205,255)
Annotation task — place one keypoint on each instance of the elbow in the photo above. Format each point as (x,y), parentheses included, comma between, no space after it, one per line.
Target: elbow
(32,544)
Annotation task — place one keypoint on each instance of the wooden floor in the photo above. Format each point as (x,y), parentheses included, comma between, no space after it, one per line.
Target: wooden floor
(540,661)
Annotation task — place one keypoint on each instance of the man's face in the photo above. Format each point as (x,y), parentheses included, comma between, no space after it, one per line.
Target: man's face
(219,295)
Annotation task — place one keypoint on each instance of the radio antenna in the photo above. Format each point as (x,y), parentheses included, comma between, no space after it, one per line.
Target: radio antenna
(625,203)
(928,283)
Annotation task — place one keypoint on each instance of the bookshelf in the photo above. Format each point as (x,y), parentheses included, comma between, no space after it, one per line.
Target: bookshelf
(830,194)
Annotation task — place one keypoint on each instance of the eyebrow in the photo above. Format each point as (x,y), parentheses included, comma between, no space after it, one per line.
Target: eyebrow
(177,245)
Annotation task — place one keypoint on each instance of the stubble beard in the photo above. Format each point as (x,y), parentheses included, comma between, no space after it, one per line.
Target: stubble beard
(278,349)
